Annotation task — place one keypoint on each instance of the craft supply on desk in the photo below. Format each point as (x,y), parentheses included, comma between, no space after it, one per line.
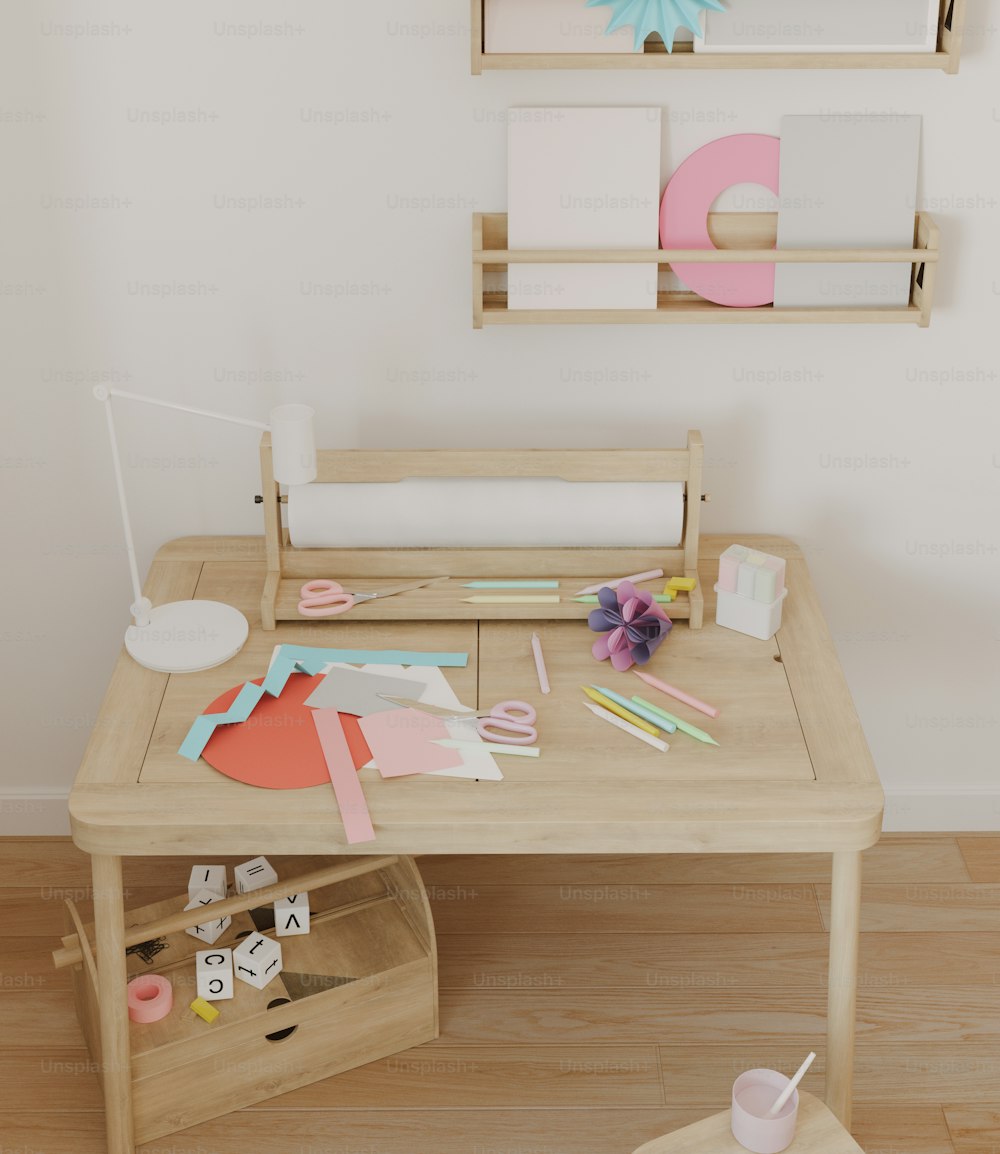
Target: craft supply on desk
(671,691)
(625,726)
(403,742)
(638,708)
(204,1010)
(751,589)
(500,599)
(790,1088)
(683,584)
(543,676)
(511,585)
(616,581)
(150,998)
(633,623)
(489,747)
(354,691)
(620,711)
(678,722)
(323,598)
(592,599)
(322,656)
(343,776)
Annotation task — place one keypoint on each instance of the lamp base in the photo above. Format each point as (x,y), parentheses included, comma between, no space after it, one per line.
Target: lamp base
(187,636)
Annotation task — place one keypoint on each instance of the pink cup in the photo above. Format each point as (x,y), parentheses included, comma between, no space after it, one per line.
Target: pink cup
(754,1093)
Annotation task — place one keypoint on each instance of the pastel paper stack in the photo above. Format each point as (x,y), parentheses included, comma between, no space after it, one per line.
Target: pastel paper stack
(750,591)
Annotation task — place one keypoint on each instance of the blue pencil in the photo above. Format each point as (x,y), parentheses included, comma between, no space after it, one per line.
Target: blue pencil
(638,710)
(511,585)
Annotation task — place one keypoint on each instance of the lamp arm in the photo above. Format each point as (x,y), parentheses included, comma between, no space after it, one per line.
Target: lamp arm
(102,393)
(141,606)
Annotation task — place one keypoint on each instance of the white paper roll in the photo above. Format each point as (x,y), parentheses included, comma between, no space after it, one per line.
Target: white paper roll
(475,512)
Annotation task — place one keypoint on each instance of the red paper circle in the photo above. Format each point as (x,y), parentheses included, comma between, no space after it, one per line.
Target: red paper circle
(277,746)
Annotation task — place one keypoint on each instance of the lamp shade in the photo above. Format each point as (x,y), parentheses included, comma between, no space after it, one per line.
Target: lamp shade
(293,444)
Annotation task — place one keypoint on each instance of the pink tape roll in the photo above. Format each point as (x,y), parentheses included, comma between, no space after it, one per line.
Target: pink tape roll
(690,193)
(150,998)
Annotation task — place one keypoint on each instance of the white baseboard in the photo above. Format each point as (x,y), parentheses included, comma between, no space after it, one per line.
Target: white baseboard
(35,811)
(42,812)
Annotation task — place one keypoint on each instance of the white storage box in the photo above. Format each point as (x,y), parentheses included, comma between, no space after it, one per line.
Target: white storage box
(755,618)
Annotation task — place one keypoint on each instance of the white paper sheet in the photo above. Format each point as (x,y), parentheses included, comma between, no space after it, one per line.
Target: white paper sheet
(583,178)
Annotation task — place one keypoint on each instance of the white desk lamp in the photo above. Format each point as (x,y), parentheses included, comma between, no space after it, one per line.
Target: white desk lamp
(186,636)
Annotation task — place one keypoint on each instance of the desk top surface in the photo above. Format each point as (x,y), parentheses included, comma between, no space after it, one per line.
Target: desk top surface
(792,771)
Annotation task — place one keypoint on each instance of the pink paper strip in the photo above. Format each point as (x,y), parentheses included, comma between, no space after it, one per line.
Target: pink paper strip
(402,742)
(346,787)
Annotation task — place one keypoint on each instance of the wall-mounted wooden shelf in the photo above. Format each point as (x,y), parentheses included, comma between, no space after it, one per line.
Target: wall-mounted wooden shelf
(655,57)
(742,237)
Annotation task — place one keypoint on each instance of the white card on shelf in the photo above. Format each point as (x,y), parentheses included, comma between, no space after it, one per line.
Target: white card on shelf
(847,182)
(583,178)
(512,26)
(822,26)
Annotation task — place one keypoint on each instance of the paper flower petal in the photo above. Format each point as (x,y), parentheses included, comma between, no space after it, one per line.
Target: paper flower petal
(634,625)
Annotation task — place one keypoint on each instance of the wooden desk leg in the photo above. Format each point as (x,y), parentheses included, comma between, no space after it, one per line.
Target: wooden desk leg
(845,925)
(109,934)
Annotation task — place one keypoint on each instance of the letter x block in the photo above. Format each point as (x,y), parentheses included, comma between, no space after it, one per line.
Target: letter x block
(291,915)
(214,974)
(257,960)
(254,875)
(210,931)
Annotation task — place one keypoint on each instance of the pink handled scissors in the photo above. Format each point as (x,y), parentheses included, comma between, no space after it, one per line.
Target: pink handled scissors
(510,723)
(328,598)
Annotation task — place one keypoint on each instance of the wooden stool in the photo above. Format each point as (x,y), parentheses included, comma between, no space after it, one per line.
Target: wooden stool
(817,1132)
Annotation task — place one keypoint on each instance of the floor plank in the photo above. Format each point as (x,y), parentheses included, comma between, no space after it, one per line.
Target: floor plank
(913,859)
(892,1129)
(630,908)
(982,857)
(948,908)
(709,961)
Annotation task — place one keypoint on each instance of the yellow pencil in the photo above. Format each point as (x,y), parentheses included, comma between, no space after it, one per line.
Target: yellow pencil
(619,711)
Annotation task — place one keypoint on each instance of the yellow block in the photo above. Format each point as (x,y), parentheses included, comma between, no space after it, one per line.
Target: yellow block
(204,1009)
(685,583)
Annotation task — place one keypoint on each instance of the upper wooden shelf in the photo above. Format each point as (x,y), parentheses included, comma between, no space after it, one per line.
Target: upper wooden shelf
(655,57)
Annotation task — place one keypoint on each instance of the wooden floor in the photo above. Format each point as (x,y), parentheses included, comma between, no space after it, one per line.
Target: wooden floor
(587,1005)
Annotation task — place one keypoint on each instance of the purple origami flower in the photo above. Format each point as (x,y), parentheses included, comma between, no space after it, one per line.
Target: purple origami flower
(634,625)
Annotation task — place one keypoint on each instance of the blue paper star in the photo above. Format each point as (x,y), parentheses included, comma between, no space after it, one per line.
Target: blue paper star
(663,16)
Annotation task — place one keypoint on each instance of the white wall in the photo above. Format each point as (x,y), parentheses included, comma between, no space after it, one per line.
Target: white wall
(363,123)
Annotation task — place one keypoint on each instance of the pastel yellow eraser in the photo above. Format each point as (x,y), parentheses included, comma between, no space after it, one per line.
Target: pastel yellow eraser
(204,1009)
(685,583)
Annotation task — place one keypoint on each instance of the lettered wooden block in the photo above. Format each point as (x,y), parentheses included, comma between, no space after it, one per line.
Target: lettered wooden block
(214,974)
(207,877)
(291,915)
(209,931)
(254,875)
(256,960)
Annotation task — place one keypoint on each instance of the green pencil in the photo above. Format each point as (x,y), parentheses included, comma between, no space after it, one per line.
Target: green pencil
(683,726)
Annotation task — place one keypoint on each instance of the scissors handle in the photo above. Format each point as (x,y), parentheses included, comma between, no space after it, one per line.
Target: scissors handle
(510,723)
(324,599)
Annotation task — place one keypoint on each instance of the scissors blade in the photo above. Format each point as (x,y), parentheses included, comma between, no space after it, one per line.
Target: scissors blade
(434,710)
(394,589)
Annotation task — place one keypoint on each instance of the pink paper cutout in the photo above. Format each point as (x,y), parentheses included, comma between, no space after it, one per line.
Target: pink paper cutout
(346,786)
(684,210)
(402,742)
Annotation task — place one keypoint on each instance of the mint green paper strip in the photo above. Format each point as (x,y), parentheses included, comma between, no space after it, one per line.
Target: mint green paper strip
(303,653)
(204,726)
(514,585)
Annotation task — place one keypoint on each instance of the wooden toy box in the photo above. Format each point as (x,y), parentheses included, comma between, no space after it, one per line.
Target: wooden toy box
(360,986)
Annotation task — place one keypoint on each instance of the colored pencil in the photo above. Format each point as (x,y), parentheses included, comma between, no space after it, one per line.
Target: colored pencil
(511,585)
(626,727)
(614,582)
(624,714)
(488,600)
(543,677)
(683,726)
(591,599)
(640,709)
(671,691)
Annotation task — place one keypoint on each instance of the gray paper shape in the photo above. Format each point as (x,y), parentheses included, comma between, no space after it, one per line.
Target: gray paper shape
(353,691)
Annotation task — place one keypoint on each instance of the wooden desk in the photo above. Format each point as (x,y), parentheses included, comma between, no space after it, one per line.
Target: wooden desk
(793,772)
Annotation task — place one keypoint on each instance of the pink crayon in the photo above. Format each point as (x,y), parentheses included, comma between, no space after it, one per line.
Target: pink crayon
(663,687)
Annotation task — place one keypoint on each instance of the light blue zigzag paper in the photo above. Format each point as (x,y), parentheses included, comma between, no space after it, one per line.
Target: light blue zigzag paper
(663,16)
(289,658)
